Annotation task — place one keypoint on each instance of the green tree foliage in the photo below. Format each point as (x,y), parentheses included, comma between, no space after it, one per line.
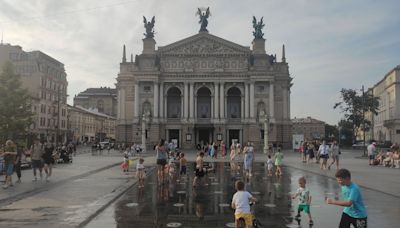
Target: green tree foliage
(353,105)
(346,132)
(15,106)
(331,132)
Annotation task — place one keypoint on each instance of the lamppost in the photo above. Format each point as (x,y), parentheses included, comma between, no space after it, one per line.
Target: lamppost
(363,120)
(145,119)
(266,123)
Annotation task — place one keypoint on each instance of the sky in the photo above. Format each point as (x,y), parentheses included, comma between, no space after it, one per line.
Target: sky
(330,45)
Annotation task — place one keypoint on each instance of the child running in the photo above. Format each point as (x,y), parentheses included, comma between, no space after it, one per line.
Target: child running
(140,173)
(270,166)
(304,200)
(278,162)
(241,203)
(182,164)
(354,212)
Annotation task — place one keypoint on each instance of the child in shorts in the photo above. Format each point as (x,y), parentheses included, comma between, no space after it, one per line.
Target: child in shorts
(140,173)
(241,203)
(182,164)
(354,212)
(270,166)
(304,200)
(278,162)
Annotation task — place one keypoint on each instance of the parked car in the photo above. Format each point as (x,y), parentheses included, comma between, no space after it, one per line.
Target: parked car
(104,145)
(358,145)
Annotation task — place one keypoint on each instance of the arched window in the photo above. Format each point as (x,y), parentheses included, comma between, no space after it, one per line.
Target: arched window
(204,103)
(234,105)
(174,103)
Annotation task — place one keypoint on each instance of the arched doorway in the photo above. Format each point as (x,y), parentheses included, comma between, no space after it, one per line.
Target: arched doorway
(233,103)
(174,103)
(204,103)
(204,133)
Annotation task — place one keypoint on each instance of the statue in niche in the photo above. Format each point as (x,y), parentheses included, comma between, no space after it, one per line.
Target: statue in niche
(149,26)
(258,26)
(203,18)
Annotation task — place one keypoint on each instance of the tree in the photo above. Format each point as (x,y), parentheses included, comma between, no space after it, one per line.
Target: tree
(354,107)
(345,132)
(15,106)
(331,132)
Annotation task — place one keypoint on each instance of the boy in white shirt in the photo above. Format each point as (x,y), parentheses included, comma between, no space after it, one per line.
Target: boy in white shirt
(140,173)
(241,203)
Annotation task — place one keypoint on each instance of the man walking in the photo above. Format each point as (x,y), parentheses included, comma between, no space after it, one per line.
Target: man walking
(36,154)
(371,149)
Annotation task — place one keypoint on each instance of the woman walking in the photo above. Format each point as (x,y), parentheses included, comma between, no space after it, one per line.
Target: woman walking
(48,160)
(248,159)
(10,153)
(335,151)
(161,156)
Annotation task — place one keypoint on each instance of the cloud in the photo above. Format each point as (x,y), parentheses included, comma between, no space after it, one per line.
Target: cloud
(329,44)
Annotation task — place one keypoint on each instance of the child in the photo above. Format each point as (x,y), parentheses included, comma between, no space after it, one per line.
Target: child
(278,162)
(270,165)
(199,173)
(140,173)
(125,163)
(182,164)
(304,200)
(241,203)
(354,211)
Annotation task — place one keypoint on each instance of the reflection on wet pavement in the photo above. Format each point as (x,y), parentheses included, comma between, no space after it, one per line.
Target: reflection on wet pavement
(176,204)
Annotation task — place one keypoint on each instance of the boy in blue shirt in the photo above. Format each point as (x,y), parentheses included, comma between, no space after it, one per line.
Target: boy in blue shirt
(354,212)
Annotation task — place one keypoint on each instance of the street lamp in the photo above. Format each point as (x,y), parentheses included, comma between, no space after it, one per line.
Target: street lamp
(145,119)
(266,122)
(363,120)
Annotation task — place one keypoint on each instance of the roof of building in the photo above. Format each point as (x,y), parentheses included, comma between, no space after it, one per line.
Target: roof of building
(97,91)
(91,111)
(306,120)
(397,68)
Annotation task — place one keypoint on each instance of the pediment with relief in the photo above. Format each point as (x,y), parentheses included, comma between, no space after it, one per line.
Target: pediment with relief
(204,44)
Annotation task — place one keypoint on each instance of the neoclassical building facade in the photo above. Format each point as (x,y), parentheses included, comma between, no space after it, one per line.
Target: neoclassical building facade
(203,89)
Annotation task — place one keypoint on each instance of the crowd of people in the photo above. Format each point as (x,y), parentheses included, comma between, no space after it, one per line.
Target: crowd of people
(388,158)
(41,156)
(324,154)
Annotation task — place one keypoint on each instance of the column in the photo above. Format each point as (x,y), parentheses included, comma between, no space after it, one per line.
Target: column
(119,104)
(252,100)
(242,104)
(212,107)
(285,102)
(191,101)
(182,106)
(123,103)
(221,100)
(271,100)
(246,102)
(216,101)
(156,103)
(136,107)
(288,99)
(161,100)
(195,107)
(186,99)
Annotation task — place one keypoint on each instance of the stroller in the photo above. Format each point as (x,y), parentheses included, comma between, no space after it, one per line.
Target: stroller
(65,156)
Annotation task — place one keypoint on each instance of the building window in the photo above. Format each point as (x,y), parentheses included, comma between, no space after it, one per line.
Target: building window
(262,134)
(397,131)
(146,89)
(260,88)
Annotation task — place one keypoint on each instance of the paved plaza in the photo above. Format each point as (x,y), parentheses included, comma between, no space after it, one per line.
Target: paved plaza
(93,192)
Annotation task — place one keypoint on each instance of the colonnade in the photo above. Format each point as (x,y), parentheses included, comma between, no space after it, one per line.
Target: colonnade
(189,101)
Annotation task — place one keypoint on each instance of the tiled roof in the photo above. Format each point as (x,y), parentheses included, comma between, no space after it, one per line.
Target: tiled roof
(306,120)
(98,91)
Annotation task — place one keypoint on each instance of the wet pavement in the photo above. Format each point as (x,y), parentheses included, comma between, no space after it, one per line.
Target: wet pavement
(176,204)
